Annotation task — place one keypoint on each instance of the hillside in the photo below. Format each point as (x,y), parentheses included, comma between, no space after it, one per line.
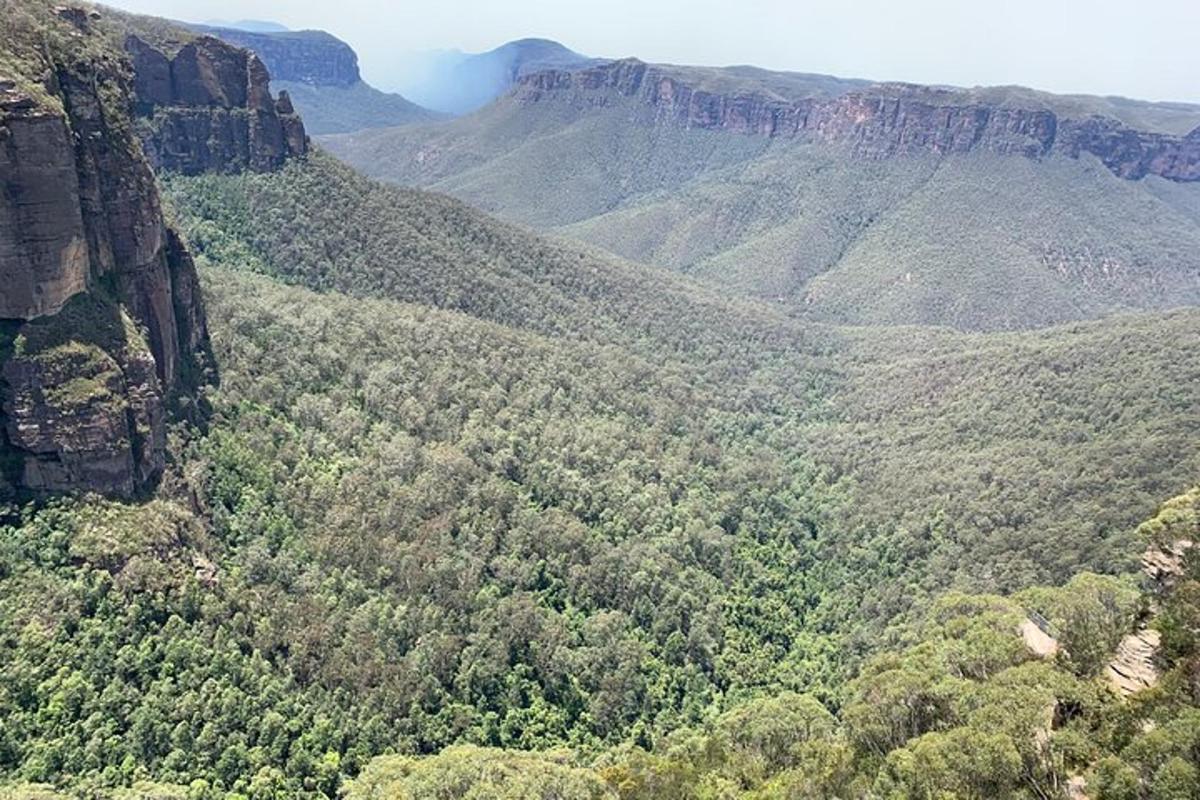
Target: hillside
(866,404)
(429,529)
(320,74)
(965,708)
(1019,215)
(434,507)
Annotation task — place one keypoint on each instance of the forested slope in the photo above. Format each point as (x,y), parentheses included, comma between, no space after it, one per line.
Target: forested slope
(870,403)
(972,238)
(481,488)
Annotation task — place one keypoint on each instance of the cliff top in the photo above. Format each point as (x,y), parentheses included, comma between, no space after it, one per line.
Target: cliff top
(32,29)
(790,87)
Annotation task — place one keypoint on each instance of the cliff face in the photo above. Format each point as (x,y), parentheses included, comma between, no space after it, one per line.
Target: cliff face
(321,74)
(209,109)
(43,243)
(313,57)
(101,318)
(879,121)
(92,336)
(83,402)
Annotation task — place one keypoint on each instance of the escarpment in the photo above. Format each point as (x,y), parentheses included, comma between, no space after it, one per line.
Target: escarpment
(91,345)
(878,121)
(208,108)
(102,324)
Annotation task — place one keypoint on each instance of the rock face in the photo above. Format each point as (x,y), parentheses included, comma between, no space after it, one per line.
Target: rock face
(1134,666)
(80,415)
(102,324)
(1132,669)
(313,57)
(879,121)
(91,347)
(209,109)
(43,246)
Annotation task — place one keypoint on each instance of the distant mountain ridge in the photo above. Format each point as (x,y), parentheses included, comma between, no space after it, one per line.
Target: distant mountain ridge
(847,201)
(877,120)
(255,25)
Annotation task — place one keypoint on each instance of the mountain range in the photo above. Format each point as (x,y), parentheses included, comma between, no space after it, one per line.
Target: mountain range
(843,201)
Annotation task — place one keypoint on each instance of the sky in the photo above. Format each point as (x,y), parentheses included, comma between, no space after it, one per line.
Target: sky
(1109,47)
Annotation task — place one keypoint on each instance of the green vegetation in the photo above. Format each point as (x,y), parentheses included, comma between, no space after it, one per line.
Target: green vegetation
(963,711)
(1014,439)
(977,242)
(156,663)
(321,225)
(590,163)
(484,490)
(474,773)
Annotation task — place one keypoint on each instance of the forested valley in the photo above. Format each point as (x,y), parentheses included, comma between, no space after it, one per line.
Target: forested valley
(451,510)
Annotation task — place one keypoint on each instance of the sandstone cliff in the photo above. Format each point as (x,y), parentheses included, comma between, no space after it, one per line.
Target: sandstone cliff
(209,108)
(101,319)
(320,72)
(877,121)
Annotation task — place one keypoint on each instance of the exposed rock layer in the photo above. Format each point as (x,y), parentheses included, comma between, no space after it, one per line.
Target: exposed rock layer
(89,282)
(1133,667)
(101,319)
(209,109)
(43,247)
(878,121)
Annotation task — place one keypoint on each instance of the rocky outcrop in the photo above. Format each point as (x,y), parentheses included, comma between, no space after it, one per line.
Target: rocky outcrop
(102,324)
(321,72)
(313,57)
(93,319)
(1129,153)
(1039,642)
(879,121)
(1163,564)
(1133,668)
(208,108)
(84,411)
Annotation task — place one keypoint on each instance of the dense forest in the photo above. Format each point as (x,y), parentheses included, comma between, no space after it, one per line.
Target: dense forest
(482,498)
(960,707)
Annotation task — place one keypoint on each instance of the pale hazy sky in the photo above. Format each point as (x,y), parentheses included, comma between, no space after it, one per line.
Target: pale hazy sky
(1143,50)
